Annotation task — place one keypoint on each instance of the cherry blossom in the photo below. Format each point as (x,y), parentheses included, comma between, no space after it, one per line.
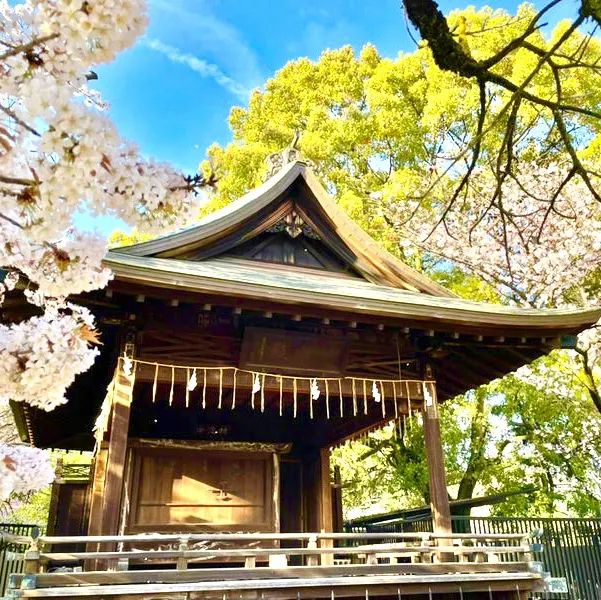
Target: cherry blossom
(23,470)
(536,248)
(40,357)
(60,154)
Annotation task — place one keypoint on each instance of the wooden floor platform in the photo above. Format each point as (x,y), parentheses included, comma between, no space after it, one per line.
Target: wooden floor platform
(199,567)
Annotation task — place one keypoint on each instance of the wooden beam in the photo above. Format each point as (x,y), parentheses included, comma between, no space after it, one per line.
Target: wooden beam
(117,447)
(481,364)
(54,498)
(49,580)
(339,314)
(454,378)
(314,586)
(96,501)
(521,355)
(493,356)
(325,500)
(337,516)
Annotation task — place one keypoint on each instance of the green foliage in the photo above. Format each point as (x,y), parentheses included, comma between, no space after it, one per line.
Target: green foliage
(466,286)
(378,130)
(387,471)
(539,430)
(34,509)
(120,238)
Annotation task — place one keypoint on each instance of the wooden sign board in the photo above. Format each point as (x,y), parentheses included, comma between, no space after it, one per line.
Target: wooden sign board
(293,353)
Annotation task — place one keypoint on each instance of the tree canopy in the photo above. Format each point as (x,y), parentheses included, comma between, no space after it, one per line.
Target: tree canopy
(537,431)
(406,128)
(523,86)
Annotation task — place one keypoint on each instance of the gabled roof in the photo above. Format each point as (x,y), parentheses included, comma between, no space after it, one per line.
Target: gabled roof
(293,188)
(201,260)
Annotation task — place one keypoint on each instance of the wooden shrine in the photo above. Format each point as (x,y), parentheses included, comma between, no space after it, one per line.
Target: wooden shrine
(236,354)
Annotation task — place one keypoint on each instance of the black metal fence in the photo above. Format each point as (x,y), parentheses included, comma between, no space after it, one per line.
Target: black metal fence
(571,547)
(10,553)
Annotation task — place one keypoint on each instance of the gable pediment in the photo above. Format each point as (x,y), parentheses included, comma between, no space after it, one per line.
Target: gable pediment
(278,247)
(290,220)
(289,231)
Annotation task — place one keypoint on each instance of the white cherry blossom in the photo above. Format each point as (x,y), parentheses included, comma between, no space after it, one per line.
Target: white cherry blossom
(537,252)
(23,470)
(61,154)
(40,357)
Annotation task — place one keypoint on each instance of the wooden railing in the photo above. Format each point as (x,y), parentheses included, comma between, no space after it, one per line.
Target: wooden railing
(228,563)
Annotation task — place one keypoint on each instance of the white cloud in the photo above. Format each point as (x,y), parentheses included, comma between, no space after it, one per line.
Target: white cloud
(200,66)
(190,23)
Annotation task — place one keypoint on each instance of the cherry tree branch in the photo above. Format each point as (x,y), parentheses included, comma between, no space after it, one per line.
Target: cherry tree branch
(10,113)
(16,180)
(451,54)
(28,46)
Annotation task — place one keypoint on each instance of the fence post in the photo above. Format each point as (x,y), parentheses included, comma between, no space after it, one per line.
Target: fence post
(182,561)
(312,560)
(32,555)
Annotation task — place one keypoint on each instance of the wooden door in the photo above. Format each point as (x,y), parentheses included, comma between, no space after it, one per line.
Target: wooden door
(68,513)
(202,490)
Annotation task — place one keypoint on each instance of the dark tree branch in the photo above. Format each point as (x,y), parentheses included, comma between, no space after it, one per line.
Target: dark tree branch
(576,162)
(16,180)
(10,113)
(450,54)
(590,383)
(473,162)
(28,46)
(589,9)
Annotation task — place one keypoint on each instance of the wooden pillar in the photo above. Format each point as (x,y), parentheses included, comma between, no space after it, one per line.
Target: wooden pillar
(54,499)
(97,492)
(117,449)
(439,498)
(338,520)
(326,517)
(326,523)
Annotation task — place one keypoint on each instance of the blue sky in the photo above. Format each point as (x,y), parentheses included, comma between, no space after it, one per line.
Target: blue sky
(172,92)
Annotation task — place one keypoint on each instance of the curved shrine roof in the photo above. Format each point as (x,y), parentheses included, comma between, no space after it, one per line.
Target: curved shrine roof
(202,259)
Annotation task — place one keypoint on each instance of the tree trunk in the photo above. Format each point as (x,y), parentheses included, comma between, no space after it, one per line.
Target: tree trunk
(477,461)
